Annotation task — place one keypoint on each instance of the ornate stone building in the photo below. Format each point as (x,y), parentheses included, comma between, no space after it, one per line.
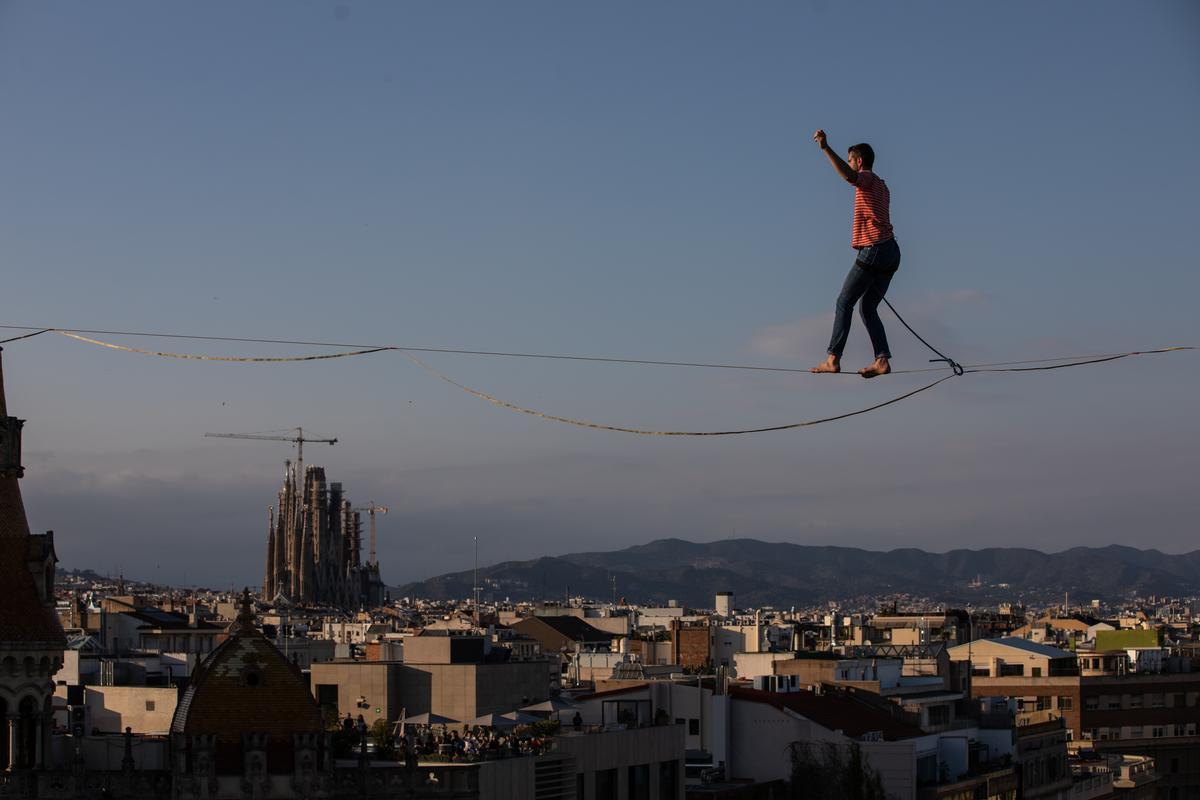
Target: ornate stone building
(31,638)
(314,546)
(247,719)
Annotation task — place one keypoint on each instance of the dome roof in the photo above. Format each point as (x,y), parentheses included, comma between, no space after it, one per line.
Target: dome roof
(247,686)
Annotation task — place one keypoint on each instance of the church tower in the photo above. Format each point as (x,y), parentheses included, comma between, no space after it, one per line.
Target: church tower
(31,638)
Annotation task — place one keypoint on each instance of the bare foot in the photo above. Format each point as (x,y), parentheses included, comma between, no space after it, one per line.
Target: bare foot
(830,364)
(880,367)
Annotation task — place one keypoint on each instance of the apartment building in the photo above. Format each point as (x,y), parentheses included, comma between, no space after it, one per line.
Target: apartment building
(451,676)
(1103,698)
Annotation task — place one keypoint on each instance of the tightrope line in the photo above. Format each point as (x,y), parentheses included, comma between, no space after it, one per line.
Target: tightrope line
(639,431)
(1084,360)
(956,370)
(447,350)
(242,359)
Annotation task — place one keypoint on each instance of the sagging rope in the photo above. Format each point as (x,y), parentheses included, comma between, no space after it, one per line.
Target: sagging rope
(495,400)
(956,368)
(447,350)
(640,432)
(242,359)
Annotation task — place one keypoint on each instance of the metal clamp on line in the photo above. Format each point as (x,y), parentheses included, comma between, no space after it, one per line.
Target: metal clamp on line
(954,365)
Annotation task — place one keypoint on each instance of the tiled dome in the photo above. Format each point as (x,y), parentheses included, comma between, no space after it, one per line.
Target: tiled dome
(247,686)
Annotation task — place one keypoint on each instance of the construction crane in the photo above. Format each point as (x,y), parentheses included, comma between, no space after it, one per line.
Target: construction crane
(371,510)
(271,436)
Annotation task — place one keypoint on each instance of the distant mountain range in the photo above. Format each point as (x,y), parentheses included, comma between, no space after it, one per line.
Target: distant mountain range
(783,575)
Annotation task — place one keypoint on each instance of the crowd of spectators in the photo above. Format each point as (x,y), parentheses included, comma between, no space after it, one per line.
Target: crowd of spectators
(439,743)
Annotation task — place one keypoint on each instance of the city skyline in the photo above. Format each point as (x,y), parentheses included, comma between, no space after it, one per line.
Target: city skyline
(624,182)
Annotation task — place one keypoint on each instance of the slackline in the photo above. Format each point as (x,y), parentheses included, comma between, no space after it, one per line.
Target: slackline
(956,371)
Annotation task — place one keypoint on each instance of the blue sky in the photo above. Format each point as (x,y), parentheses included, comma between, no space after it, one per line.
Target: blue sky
(616,179)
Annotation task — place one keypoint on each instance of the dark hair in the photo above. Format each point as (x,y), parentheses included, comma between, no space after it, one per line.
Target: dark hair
(865,153)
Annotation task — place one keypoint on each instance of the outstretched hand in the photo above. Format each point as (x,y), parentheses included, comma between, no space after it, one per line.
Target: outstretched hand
(819,138)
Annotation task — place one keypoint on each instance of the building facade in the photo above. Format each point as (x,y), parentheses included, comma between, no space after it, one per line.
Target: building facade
(1104,703)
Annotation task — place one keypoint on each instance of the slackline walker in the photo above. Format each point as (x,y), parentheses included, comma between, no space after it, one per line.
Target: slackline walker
(956,369)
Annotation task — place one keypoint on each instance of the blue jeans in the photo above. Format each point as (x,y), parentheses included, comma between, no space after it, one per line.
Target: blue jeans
(868,281)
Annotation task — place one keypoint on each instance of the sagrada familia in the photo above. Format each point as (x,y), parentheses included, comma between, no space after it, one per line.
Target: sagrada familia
(314,546)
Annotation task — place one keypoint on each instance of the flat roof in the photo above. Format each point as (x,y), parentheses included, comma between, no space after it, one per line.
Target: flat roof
(1017,643)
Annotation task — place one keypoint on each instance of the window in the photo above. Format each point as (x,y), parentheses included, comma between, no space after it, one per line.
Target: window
(1135,701)
(1158,731)
(693,727)
(668,779)
(1012,670)
(1037,672)
(1156,700)
(1091,703)
(1066,704)
(1135,731)
(927,770)
(149,705)
(606,784)
(327,694)
(639,782)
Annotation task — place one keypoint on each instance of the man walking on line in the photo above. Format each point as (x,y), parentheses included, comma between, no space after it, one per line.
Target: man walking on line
(877,261)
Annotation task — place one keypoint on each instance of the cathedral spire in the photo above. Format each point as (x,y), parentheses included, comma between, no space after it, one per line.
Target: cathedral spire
(13,523)
(27,609)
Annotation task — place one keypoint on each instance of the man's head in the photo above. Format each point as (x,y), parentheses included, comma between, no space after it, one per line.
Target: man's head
(863,154)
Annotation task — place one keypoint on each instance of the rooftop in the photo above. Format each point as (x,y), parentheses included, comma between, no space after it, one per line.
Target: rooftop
(1017,643)
(834,711)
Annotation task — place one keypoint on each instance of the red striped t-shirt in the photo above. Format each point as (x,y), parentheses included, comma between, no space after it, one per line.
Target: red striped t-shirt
(872,224)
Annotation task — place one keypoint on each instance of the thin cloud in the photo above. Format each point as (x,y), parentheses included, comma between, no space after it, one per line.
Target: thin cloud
(786,339)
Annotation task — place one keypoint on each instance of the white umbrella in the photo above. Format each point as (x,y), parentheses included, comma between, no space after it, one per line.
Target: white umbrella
(494,721)
(428,718)
(521,718)
(554,705)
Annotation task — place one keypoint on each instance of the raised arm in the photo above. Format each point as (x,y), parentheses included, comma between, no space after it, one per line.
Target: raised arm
(847,172)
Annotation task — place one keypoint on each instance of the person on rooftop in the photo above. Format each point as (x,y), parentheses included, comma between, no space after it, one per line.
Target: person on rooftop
(877,260)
